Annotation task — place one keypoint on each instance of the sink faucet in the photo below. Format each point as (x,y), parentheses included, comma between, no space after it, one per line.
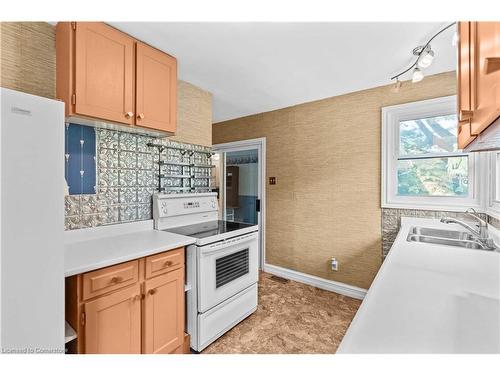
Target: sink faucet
(482,227)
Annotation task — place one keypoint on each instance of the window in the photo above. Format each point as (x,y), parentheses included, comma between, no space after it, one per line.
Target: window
(429,162)
(422,166)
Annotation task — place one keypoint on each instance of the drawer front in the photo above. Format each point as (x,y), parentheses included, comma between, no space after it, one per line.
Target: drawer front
(217,321)
(165,262)
(108,279)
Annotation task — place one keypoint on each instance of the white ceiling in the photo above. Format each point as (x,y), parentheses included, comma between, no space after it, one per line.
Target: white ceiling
(257,67)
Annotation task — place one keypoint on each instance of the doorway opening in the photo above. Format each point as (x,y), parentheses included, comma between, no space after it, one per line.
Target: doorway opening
(240,183)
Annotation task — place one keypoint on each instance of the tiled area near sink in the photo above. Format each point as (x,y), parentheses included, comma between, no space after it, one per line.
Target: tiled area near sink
(391,221)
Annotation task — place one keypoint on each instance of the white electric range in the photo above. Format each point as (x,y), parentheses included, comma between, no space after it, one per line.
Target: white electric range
(221,267)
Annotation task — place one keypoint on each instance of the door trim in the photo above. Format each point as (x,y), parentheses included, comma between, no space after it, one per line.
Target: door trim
(248,144)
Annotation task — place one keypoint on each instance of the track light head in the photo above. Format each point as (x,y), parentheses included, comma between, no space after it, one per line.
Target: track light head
(426,58)
(417,75)
(425,55)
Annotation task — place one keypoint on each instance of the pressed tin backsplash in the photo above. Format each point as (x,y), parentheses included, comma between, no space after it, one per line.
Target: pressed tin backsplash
(127,177)
(391,222)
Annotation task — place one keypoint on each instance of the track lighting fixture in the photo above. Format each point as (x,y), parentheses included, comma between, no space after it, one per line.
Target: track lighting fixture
(425,55)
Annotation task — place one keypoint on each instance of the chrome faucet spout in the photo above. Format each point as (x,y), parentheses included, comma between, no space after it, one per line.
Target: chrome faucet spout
(482,224)
(450,220)
(482,227)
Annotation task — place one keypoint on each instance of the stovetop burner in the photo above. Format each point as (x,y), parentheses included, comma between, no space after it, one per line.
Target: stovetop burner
(209,228)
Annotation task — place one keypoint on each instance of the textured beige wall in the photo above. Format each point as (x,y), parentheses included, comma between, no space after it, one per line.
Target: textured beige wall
(27,63)
(28,57)
(326,157)
(194,115)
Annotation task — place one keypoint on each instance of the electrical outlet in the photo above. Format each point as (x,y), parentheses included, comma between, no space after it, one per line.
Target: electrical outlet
(335,264)
(272,180)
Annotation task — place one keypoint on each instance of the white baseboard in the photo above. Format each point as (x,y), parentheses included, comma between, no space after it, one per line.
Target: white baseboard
(318,282)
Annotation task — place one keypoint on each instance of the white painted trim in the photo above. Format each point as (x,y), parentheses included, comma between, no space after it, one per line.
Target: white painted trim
(390,139)
(493,205)
(318,282)
(249,144)
(237,144)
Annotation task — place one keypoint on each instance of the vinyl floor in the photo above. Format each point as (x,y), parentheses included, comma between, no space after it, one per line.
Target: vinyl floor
(291,318)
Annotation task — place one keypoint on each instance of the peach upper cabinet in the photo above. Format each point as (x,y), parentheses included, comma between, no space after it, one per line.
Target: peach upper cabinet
(156,91)
(464,85)
(478,78)
(106,75)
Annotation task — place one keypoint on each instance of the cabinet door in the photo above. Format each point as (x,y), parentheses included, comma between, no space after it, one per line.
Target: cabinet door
(485,74)
(164,313)
(113,323)
(463,71)
(464,86)
(464,135)
(104,73)
(156,92)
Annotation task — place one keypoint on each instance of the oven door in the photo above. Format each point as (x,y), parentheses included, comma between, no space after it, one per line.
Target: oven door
(226,268)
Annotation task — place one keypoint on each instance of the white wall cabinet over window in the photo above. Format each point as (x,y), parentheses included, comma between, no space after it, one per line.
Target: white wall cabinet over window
(422,166)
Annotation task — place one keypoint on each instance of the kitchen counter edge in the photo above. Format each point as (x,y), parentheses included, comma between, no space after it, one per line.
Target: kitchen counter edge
(84,256)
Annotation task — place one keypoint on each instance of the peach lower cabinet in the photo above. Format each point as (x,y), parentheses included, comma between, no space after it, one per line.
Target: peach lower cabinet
(133,307)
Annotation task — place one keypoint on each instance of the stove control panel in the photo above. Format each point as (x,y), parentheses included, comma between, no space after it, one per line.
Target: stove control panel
(188,205)
(175,205)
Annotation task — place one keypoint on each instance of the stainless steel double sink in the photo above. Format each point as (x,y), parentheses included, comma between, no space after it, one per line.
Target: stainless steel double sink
(445,237)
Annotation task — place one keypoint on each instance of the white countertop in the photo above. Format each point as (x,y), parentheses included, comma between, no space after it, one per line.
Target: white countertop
(90,249)
(430,298)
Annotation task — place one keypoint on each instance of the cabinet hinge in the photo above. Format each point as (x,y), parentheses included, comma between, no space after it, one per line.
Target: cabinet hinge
(73,25)
(73,99)
(82,319)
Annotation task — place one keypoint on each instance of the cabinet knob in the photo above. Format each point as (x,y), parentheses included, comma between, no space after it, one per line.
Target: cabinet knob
(140,116)
(151,291)
(116,279)
(137,297)
(129,114)
(168,263)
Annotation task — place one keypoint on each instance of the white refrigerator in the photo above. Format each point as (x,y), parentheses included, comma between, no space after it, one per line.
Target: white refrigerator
(31,223)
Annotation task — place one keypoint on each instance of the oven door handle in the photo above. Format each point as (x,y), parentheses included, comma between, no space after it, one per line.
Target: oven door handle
(225,244)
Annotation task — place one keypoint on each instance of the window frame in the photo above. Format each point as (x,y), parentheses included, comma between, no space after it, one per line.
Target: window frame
(493,207)
(391,118)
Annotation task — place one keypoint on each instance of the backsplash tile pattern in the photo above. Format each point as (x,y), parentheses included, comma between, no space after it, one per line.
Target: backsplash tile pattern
(391,221)
(494,222)
(127,177)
